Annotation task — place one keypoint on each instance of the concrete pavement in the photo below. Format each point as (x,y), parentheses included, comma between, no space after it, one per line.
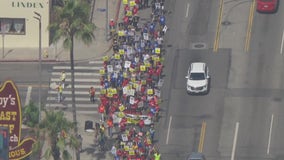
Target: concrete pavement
(56,53)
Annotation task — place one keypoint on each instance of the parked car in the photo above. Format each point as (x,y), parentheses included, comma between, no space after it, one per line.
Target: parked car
(197,78)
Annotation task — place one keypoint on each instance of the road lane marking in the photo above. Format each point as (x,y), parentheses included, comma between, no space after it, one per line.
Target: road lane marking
(202,136)
(169,129)
(28,95)
(187,10)
(270,132)
(282,41)
(217,35)
(235,141)
(32,85)
(249,28)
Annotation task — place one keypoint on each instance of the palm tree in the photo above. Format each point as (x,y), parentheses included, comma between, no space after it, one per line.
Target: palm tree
(72,21)
(56,128)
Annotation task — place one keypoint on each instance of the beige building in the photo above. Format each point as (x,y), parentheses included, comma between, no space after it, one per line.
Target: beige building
(19,28)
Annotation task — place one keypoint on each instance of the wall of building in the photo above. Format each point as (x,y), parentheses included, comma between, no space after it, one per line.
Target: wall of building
(24,28)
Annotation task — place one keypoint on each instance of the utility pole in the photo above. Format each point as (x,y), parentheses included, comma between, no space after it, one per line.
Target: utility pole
(106,20)
(40,63)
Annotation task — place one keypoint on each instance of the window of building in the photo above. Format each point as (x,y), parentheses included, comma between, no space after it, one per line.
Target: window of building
(13,25)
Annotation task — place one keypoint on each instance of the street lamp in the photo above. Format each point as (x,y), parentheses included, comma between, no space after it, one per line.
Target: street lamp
(38,17)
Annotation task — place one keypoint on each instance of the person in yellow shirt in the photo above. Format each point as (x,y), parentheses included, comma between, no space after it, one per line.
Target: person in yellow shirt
(62,78)
(157,156)
(60,90)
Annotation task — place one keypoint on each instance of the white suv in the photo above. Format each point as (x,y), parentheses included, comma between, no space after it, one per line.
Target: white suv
(197,78)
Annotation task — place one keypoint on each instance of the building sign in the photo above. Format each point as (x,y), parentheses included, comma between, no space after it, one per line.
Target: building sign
(18,4)
(11,118)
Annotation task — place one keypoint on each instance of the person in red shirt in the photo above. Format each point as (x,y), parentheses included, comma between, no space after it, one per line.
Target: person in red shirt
(92,92)
(126,20)
(135,10)
(110,126)
(101,109)
(141,125)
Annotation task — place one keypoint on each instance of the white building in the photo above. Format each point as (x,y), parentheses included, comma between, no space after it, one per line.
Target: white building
(19,28)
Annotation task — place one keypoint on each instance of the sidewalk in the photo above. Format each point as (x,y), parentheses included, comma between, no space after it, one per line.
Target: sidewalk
(56,53)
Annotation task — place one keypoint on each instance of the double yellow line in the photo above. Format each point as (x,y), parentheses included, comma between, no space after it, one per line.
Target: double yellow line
(217,35)
(201,138)
(249,28)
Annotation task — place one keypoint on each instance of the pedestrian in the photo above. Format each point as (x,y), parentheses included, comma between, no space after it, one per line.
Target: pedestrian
(141,125)
(80,138)
(59,92)
(110,126)
(152,133)
(114,151)
(101,109)
(63,78)
(92,92)
(157,155)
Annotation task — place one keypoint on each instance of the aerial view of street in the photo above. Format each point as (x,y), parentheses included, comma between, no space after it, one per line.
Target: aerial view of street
(141,80)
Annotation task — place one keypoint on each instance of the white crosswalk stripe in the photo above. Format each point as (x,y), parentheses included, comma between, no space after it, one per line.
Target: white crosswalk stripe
(85,76)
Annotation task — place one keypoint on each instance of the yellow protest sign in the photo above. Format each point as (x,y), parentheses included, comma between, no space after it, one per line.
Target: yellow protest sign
(121,51)
(109,94)
(133,79)
(102,71)
(105,58)
(122,143)
(103,91)
(117,56)
(147,64)
(126,148)
(135,85)
(120,33)
(131,69)
(143,82)
(121,108)
(132,3)
(142,68)
(125,2)
(109,90)
(121,114)
(150,91)
(124,74)
(114,91)
(157,50)
(129,13)
(131,152)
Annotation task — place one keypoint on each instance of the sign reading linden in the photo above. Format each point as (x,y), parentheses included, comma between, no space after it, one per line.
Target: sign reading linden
(27,4)
(11,117)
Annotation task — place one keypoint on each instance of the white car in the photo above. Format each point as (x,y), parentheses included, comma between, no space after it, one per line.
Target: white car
(197,78)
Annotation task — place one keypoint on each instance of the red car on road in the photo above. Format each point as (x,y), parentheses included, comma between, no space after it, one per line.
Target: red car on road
(267,6)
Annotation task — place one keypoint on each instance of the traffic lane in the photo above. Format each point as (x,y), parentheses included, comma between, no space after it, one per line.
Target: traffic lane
(254,98)
(24,72)
(233,25)
(188,112)
(26,78)
(267,33)
(253,116)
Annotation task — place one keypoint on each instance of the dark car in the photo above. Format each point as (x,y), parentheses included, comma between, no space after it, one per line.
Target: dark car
(196,156)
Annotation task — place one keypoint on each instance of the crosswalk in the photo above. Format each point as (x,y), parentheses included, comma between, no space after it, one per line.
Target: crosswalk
(86,75)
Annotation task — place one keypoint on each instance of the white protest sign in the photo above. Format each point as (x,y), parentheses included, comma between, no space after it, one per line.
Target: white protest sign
(131,100)
(109,68)
(127,64)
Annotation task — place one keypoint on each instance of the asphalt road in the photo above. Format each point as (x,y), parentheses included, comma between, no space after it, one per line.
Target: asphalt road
(243,111)
(26,78)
